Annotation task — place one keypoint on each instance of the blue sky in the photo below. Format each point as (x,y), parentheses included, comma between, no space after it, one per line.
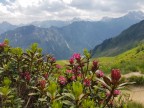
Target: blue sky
(26,11)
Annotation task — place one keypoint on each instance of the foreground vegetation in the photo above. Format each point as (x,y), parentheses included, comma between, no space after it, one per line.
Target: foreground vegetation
(32,80)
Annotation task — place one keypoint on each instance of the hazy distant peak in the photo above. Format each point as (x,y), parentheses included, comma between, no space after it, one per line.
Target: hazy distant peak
(28,26)
(106,18)
(76,19)
(4,22)
(135,14)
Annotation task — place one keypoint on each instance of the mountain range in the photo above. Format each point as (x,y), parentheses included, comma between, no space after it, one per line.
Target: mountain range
(128,39)
(63,40)
(54,23)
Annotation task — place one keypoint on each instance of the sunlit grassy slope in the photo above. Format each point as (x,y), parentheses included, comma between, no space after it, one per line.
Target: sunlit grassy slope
(130,61)
(62,62)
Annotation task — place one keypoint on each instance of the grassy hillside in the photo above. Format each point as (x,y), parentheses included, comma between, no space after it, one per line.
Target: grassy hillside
(130,61)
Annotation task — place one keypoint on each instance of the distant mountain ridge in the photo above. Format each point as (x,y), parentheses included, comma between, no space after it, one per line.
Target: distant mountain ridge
(128,39)
(74,37)
(54,23)
(48,39)
(5,26)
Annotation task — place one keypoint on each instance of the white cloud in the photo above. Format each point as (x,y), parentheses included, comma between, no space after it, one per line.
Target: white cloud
(25,11)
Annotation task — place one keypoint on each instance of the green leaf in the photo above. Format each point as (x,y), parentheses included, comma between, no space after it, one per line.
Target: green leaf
(52,88)
(88,103)
(107,80)
(70,95)
(77,89)
(57,104)
(68,103)
(32,94)
(6,81)
(5,91)
(58,98)
(42,99)
(81,96)
(127,83)
(86,53)
(108,87)
(49,94)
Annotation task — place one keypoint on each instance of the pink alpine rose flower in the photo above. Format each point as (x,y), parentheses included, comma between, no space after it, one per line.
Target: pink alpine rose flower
(77,56)
(58,66)
(62,80)
(87,82)
(69,71)
(73,78)
(53,59)
(99,73)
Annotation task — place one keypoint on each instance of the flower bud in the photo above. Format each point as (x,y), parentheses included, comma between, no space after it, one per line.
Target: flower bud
(26,76)
(95,66)
(45,75)
(95,63)
(116,93)
(99,73)
(42,84)
(115,75)
(71,60)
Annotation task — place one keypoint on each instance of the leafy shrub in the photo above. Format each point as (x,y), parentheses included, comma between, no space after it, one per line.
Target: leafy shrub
(139,80)
(32,80)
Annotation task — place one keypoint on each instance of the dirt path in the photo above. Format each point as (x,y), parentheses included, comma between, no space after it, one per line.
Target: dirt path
(133,74)
(136,93)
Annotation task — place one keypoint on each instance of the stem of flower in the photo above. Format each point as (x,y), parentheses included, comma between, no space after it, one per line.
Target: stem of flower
(109,97)
(27,102)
